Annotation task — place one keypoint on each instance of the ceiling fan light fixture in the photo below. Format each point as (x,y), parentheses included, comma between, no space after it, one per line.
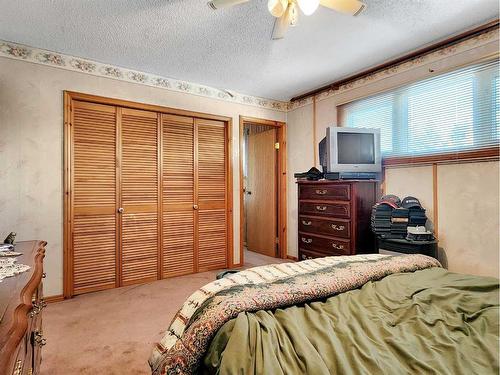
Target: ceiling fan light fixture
(308,7)
(293,15)
(277,7)
(351,7)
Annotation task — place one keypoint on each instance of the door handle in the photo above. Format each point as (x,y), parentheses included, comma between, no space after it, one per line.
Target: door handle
(120,210)
(195,206)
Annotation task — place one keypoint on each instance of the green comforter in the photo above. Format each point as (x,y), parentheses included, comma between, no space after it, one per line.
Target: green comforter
(426,322)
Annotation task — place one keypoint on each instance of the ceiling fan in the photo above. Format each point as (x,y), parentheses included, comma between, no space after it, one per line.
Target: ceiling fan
(287,11)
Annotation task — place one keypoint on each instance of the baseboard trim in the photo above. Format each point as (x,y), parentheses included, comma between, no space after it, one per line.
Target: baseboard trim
(52,299)
(291,257)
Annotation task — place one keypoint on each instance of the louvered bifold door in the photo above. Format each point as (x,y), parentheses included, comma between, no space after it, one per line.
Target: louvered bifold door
(211,194)
(178,196)
(140,225)
(93,180)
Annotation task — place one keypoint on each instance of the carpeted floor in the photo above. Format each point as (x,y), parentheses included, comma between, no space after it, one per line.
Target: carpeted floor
(113,331)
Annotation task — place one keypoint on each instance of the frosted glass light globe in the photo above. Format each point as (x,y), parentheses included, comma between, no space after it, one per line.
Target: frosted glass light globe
(308,7)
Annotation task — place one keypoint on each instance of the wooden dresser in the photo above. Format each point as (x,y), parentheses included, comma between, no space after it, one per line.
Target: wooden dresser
(334,217)
(21,304)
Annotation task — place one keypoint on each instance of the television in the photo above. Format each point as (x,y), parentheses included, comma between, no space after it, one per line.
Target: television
(352,150)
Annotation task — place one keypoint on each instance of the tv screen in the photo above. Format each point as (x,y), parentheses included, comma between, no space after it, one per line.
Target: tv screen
(356,148)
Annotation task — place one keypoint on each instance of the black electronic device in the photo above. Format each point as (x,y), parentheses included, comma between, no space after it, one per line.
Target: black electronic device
(351,175)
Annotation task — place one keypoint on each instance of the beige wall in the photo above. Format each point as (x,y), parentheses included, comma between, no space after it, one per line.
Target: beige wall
(299,159)
(468,233)
(31,143)
(468,212)
(414,181)
(467,203)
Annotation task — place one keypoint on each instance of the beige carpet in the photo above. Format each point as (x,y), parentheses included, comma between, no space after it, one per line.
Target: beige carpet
(113,331)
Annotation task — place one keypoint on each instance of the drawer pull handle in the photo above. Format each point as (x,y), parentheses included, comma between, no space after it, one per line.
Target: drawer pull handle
(44,275)
(321,191)
(35,311)
(306,240)
(304,257)
(37,307)
(18,367)
(338,247)
(307,223)
(39,339)
(338,227)
(321,208)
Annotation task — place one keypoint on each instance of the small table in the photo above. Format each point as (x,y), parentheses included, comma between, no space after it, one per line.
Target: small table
(408,247)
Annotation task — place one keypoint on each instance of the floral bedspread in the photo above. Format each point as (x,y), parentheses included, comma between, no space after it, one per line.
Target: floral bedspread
(263,288)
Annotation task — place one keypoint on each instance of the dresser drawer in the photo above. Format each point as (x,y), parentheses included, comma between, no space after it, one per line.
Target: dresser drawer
(308,254)
(341,192)
(327,227)
(338,209)
(325,245)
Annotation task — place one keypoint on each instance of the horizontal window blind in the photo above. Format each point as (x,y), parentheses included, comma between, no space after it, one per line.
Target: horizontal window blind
(456,111)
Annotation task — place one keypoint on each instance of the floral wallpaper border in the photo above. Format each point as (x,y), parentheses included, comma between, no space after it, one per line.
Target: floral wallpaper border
(459,47)
(59,60)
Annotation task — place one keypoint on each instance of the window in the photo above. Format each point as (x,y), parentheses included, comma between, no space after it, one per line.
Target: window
(457,111)
(496,105)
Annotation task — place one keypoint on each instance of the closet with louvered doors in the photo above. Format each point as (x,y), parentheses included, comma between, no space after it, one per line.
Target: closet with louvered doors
(178,189)
(116,205)
(146,194)
(194,195)
(139,196)
(211,194)
(92,212)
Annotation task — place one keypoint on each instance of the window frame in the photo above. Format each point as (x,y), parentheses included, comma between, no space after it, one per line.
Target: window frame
(467,155)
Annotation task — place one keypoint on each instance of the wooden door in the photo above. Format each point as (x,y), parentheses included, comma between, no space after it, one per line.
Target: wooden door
(146,194)
(93,249)
(261,193)
(210,194)
(178,196)
(139,196)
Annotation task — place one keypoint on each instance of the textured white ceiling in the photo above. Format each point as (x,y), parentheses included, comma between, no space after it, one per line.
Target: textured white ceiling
(231,48)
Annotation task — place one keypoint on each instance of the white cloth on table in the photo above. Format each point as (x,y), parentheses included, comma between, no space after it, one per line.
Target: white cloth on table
(10,267)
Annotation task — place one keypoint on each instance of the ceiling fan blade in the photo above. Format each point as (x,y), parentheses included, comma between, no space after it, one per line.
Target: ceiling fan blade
(352,7)
(281,26)
(218,4)
(277,7)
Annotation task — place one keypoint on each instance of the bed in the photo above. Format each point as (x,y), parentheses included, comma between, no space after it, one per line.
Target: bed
(364,314)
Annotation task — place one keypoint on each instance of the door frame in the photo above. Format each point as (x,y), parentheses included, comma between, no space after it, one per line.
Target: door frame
(281,187)
(68,97)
